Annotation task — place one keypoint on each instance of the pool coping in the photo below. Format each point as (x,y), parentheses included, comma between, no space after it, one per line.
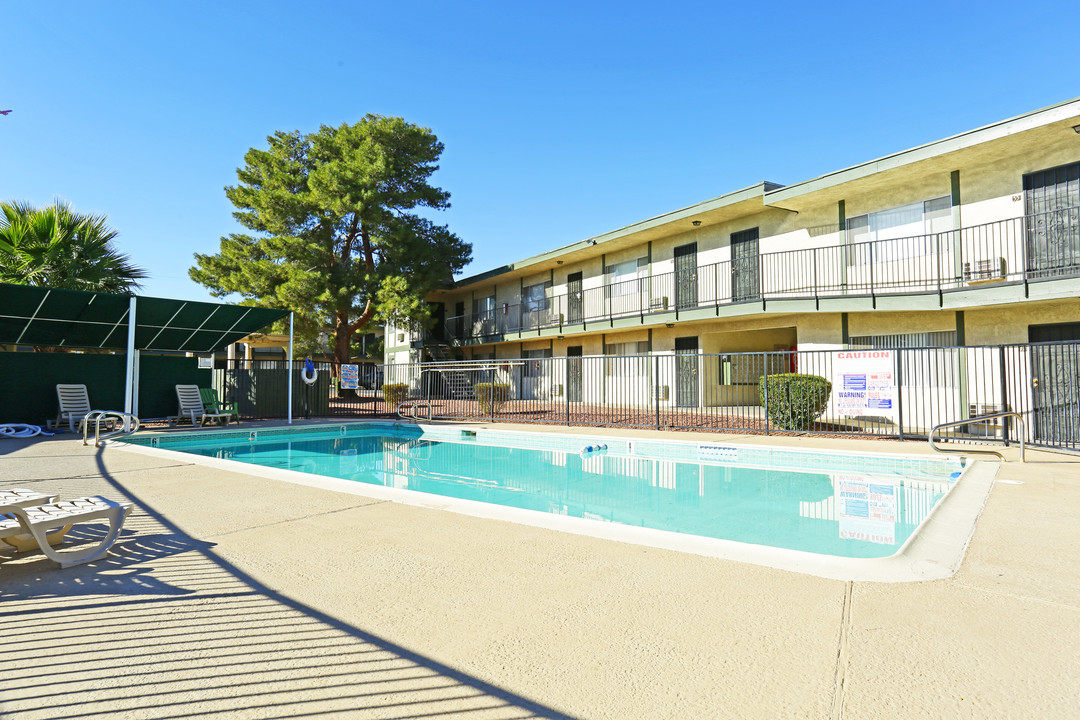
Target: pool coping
(935,551)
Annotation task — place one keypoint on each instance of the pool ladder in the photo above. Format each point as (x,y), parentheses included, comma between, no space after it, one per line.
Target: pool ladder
(129,424)
(407,410)
(980,418)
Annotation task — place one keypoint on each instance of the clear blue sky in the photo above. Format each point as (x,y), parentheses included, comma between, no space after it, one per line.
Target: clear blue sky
(561,120)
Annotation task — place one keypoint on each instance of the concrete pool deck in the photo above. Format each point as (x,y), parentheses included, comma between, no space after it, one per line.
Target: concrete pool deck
(239,596)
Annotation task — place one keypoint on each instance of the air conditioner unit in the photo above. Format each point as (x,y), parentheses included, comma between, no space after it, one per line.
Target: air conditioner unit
(660,303)
(662,392)
(985,271)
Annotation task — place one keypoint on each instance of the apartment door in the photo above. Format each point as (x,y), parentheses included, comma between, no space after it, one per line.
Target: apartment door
(745,282)
(1055,383)
(686,371)
(1052,207)
(573,298)
(573,374)
(686,276)
(459,321)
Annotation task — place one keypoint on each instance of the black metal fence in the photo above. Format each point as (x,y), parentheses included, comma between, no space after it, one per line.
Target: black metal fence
(901,393)
(1023,249)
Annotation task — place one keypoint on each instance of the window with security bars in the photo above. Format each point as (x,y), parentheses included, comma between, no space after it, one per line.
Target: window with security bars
(927,359)
(626,359)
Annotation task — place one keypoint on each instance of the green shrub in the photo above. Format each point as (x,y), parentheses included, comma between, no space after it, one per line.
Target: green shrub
(395,394)
(491,394)
(794,400)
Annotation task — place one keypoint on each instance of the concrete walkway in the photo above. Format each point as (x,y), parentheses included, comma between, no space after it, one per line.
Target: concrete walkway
(230,595)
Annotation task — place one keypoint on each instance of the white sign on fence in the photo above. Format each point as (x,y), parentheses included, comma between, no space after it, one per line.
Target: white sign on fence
(863,383)
(350,376)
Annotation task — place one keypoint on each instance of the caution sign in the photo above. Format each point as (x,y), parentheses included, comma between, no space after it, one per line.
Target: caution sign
(350,377)
(863,383)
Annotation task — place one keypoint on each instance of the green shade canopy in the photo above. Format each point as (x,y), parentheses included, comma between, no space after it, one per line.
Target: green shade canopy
(72,318)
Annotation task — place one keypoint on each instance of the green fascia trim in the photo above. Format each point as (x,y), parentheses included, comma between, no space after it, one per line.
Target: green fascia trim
(749,193)
(996,131)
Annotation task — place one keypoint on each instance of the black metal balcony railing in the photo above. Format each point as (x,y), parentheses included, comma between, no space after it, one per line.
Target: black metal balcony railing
(1028,248)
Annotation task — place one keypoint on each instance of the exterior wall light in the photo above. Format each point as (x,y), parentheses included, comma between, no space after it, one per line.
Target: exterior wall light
(698,222)
(1076,129)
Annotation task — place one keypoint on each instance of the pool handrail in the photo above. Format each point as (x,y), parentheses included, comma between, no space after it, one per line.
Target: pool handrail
(406,409)
(979,418)
(129,424)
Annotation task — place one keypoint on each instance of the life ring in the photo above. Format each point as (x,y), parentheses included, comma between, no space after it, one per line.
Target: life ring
(309,374)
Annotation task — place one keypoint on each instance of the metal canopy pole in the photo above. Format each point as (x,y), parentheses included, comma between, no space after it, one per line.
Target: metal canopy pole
(288,366)
(129,380)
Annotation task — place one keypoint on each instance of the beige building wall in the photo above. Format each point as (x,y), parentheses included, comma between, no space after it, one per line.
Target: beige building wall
(1009,324)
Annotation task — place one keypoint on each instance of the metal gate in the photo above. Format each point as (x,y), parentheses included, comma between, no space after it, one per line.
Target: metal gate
(745,280)
(686,270)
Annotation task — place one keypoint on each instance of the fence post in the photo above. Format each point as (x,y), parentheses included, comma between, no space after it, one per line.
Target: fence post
(656,388)
(1006,422)
(491,393)
(566,387)
(900,391)
(427,389)
(765,381)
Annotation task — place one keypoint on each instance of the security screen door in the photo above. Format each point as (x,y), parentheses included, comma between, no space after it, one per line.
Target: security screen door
(686,372)
(745,283)
(573,374)
(573,298)
(1052,207)
(686,276)
(1055,383)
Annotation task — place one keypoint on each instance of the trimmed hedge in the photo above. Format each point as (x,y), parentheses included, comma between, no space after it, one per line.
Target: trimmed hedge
(794,400)
(395,394)
(491,393)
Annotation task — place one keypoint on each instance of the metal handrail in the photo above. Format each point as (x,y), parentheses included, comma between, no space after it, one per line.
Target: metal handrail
(406,409)
(130,424)
(979,418)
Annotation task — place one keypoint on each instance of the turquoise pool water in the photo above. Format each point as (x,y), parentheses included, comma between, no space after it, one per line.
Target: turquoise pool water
(747,495)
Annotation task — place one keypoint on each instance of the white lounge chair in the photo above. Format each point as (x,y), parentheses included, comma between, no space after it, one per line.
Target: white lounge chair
(18,521)
(74,405)
(21,497)
(192,408)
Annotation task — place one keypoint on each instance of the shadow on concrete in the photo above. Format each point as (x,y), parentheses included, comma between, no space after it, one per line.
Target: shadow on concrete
(196,636)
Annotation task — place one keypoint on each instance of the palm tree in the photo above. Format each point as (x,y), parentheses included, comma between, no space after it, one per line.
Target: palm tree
(57,247)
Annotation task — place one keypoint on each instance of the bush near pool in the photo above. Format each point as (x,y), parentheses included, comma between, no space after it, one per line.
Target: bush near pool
(794,401)
(394,394)
(491,396)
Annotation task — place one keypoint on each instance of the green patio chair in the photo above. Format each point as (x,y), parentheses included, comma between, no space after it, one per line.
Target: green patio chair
(213,405)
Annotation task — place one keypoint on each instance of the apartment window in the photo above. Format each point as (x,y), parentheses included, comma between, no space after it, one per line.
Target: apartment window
(620,276)
(536,297)
(534,362)
(899,232)
(928,360)
(627,359)
(485,305)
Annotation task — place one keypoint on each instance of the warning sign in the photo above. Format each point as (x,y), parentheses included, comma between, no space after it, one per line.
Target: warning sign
(863,383)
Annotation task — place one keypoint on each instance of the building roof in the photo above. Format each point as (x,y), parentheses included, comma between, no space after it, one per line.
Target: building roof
(996,131)
(50,317)
(765,195)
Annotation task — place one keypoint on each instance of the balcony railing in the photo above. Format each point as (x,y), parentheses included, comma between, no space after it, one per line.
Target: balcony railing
(1033,247)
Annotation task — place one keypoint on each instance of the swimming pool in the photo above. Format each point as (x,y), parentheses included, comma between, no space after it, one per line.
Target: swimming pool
(848,506)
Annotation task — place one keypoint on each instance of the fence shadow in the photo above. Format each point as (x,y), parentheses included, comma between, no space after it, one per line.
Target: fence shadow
(193,635)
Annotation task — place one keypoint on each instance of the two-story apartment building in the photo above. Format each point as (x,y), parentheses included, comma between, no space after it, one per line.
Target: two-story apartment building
(969,240)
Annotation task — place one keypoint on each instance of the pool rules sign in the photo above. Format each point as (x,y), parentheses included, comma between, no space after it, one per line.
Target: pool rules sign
(864,383)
